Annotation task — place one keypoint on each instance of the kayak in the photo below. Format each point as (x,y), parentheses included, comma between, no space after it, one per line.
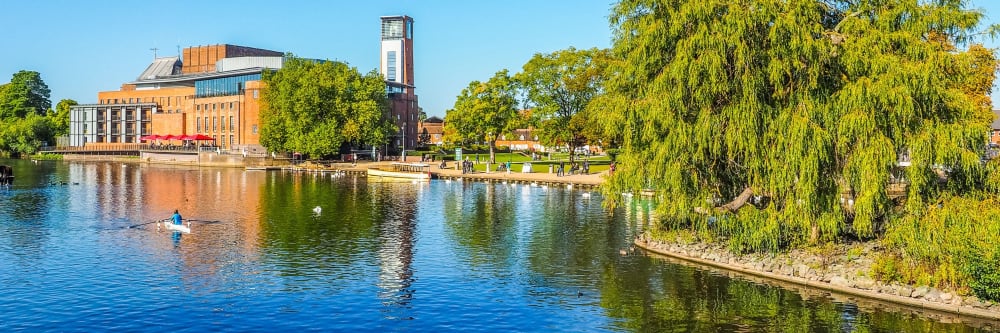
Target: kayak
(169,225)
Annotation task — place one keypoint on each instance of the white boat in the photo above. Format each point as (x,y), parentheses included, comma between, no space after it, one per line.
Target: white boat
(169,225)
(407,171)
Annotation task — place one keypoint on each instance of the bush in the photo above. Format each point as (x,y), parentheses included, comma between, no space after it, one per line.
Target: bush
(951,244)
(981,266)
(47,157)
(612,153)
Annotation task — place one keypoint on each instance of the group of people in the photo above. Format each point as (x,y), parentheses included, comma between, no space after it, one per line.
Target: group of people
(573,168)
(467,166)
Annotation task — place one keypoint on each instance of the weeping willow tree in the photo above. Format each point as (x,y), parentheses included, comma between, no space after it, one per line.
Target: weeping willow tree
(784,121)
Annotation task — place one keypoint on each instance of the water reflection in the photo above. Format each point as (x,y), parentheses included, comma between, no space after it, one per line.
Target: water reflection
(381,256)
(396,245)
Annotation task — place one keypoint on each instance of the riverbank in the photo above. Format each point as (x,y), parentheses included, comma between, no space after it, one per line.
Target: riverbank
(840,268)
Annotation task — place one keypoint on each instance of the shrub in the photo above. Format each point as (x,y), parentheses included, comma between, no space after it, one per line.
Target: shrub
(984,273)
(952,243)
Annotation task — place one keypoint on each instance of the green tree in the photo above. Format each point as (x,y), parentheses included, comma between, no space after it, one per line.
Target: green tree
(559,87)
(315,107)
(60,118)
(24,136)
(25,94)
(484,111)
(793,106)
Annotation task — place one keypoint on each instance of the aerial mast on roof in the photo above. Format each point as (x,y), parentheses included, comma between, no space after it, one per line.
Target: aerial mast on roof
(154,52)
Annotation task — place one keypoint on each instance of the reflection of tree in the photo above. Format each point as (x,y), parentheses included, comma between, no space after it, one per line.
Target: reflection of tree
(650,294)
(302,243)
(25,208)
(482,223)
(356,221)
(575,243)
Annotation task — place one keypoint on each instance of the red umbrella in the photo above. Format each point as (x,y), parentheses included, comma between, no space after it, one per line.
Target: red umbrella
(172,137)
(201,137)
(150,137)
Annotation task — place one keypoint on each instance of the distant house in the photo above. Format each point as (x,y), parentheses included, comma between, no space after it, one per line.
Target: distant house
(430,131)
(995,129)
(521,139)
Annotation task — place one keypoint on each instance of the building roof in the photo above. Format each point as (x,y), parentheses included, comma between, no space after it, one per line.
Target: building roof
(433,119)
(236,63)
(198,76)
(996,119)
(161,67)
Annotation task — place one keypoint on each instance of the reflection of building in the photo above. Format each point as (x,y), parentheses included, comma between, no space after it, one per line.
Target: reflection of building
(397,67)
(395,253)
(431,130)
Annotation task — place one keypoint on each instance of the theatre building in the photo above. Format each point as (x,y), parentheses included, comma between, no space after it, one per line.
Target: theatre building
(214,91)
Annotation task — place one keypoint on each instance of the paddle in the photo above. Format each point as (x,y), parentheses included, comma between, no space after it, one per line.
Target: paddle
(142,224)
(203,221)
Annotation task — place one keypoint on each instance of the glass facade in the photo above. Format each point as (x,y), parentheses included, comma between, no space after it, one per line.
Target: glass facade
(392,29)
(391,66)
(226,86)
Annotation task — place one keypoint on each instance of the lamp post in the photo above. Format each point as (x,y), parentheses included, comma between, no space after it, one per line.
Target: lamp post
(402,154)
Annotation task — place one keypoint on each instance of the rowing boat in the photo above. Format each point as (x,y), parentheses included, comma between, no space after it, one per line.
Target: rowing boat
(169,225)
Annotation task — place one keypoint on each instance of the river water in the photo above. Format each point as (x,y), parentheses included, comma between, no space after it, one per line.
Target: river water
(444,256)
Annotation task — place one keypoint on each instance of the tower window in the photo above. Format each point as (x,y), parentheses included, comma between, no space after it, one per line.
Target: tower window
(390,73)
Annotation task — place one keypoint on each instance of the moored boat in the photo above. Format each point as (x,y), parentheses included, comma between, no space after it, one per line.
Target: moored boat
(402,171)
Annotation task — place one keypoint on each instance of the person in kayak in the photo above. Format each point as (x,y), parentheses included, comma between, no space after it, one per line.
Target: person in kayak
(178,220)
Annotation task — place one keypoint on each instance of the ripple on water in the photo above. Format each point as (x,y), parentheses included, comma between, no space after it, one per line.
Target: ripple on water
(457,256)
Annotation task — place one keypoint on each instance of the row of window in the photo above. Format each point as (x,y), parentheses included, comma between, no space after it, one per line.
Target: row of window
(116,114)
(162,101)
(216,106)
(220,121)
(127,129)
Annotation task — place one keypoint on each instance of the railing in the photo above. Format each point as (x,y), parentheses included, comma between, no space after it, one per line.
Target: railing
(106,147)
(407,167)
(170,147)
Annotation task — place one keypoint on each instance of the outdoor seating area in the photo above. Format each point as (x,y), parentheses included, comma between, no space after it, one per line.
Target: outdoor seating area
(168,142)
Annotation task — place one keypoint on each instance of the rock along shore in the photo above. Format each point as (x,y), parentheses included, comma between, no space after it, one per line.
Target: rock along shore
(842,270)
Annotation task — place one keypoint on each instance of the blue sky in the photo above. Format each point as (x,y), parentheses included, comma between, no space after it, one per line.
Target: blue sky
(83,47)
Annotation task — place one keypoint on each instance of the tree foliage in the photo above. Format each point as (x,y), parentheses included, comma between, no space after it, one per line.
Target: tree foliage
(24,126)
(25,94)
(24,136)
(794,106)
(314,107)
(60,118)
(559,87)
(484,111)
